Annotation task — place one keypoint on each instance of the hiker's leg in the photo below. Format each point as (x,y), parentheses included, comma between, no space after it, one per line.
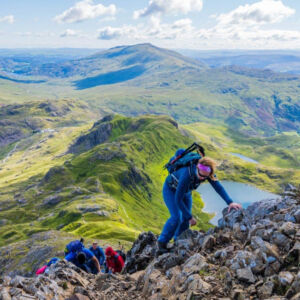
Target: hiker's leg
(175,218)
(184,225)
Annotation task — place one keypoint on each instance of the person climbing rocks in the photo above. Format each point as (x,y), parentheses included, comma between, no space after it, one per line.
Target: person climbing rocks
(114,261)
(45,268)
(99,253)
(177,192)
(81,257)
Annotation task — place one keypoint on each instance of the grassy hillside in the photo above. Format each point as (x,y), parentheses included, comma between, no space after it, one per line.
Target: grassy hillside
(142,79)
(103,180)
(111,191)
(23,120)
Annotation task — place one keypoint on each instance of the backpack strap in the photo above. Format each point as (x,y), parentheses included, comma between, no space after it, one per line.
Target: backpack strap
(191,148)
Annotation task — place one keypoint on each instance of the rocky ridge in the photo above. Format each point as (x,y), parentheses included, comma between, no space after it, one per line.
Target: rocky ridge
(252,254)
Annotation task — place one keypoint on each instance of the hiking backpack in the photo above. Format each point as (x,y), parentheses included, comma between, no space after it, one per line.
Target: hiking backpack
(186,158)
(122,254)
(75,246)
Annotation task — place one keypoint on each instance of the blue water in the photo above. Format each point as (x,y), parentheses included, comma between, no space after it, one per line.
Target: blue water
(242,193)
(243,157)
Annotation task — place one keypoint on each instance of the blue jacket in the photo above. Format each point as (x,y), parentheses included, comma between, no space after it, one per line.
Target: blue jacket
(99,253)
(72,256)
(188,181)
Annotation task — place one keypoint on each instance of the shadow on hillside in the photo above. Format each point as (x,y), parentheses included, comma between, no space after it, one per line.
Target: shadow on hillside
(20,80)
(110,77)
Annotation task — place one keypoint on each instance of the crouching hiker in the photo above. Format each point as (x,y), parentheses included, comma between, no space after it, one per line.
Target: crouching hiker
(81,257)
(45,268)
(99,253)
(114,261)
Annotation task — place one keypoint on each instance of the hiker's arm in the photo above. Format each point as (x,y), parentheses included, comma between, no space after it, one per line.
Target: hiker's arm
(96,263)
(218,187)
(182,189)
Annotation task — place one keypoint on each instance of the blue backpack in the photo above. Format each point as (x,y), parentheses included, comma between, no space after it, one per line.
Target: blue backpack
(75,246)
(186,158)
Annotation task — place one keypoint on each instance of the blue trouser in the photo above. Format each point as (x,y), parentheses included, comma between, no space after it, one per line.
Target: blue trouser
(178,222)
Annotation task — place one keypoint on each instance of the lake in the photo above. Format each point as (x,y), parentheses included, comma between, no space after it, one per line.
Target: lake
(242,193)
(243,157)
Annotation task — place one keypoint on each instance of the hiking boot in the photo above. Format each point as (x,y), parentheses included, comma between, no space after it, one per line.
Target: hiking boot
(162,248)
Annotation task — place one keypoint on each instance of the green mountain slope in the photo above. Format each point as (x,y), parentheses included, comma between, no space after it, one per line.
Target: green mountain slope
(109,190)
(19,121)
(104,180)
(141,79)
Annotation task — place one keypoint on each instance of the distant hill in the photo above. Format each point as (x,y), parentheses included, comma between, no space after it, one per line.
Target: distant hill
(141,79)
(20,121)
(120,58)
(278,61)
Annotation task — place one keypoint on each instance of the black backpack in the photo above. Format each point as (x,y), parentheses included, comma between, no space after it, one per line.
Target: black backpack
(122,254)
(186,158)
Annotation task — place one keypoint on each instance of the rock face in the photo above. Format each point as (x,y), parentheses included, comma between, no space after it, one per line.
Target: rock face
(100,133)
(252,254)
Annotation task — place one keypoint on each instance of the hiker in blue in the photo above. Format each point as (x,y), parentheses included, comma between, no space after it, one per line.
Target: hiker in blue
(99,253)
(186,172)
(81,257)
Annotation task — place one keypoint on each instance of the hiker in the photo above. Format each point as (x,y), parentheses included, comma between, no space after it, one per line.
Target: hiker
(114,261)
(185,175)
(99,253)
(45,268)
(81,257)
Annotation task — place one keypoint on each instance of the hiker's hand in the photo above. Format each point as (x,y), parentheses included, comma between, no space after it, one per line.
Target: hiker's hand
(193,221)
(235,206)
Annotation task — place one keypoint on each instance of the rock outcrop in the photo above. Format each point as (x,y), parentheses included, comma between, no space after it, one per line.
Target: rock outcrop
(252,254)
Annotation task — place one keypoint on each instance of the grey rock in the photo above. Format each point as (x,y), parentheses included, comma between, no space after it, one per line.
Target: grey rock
(208,242)
(52,200)
(4,294)
(297,216)
(266,290)
(285,278)
(288,228)
(272,269)
(87,209)
(238,294)
(195,264)
(102,213)
(221,254)
(245,275)
(242,259)
(281,240)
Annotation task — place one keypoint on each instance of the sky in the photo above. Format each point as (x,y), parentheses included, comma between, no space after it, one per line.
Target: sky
(179,24)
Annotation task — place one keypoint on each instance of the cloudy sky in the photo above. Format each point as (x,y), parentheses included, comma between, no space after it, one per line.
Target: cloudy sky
(189,24)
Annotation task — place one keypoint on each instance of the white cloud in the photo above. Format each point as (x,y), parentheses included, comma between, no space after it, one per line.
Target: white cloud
(8,19)
(27,33)
(69,33)
(35,34)
(112,33)
(179,29)
(244,27)
(85,10)
(169,7)
(259,13)
(154,30)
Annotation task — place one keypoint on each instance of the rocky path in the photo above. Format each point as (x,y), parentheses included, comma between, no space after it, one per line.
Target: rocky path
(252,254)
(10,153)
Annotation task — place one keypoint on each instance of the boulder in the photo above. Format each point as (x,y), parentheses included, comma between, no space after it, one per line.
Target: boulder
(195,264)
(245,275)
